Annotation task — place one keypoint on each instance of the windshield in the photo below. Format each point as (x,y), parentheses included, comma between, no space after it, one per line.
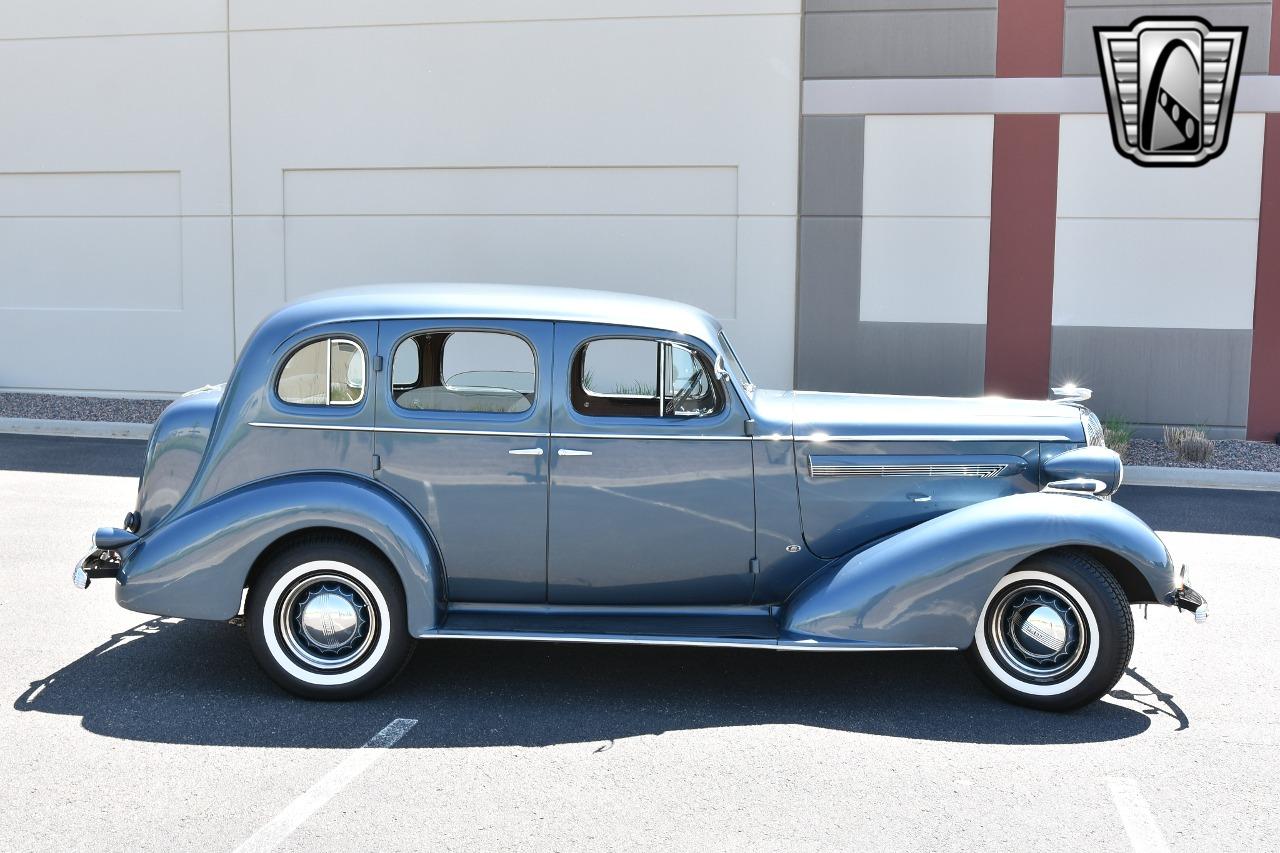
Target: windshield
(735,366)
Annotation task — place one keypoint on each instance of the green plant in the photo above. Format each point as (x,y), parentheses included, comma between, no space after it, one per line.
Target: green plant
(1117,434)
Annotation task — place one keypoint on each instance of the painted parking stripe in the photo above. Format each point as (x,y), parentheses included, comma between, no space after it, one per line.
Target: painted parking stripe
(1139,824)
(314,798)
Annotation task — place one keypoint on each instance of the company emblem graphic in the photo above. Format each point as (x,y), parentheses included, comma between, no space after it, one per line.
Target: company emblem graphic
(1170,86)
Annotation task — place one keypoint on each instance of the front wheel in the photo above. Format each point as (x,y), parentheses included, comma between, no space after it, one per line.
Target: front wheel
(1056,633)
(326,620)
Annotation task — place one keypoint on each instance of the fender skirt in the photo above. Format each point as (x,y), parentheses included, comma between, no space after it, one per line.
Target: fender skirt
(926,586)
(195,564)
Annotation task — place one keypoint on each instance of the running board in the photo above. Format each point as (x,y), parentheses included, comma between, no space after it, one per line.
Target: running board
(658,640)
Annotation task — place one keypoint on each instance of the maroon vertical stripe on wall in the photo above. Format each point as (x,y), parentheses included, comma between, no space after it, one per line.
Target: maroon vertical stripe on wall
(1024,195)
(1264,371)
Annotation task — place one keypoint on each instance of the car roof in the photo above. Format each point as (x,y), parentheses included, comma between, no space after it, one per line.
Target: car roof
(493,301)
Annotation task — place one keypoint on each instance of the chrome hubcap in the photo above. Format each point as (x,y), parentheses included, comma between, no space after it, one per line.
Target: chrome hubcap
(1037,633)
(326,621)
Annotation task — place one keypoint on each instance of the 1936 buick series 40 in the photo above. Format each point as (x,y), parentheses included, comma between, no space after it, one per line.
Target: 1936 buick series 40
(487,461)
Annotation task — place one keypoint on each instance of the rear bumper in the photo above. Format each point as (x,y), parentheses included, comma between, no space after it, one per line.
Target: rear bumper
(98,563)
(1188,599)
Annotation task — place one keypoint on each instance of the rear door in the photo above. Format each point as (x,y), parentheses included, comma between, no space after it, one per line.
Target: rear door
(463,415)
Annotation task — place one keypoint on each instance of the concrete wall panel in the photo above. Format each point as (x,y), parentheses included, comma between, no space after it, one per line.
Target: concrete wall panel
(1158,376)
(938,359)
(21,19)
(831,171)
(1080,55)
(1095,181)
(282,14)
(925,270)
(827,320)
(114,190)
(952,42)
(928,166)
(1155,273)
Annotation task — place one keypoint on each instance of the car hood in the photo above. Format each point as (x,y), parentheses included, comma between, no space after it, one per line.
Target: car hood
(812,413)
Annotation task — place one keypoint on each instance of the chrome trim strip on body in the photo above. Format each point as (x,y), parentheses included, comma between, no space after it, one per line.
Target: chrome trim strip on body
(431,431)
(585,435)
(817,436)
(831,469)
(354,428)
(659,640)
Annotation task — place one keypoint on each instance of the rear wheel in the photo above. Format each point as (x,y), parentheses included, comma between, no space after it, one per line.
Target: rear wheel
(1056,633)
(326,620)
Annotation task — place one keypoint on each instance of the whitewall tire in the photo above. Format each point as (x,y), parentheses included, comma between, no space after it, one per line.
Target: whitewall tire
(1055,633)
(326,619)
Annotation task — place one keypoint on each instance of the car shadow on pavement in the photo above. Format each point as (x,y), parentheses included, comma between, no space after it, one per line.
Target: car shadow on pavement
(191,682)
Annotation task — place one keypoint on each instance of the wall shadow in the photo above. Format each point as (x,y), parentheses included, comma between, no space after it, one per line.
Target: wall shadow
(1229,511)
(191,682)
(60,454)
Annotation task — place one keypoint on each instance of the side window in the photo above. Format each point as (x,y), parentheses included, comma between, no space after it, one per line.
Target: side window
(323,373)
(442,371)
(629,377)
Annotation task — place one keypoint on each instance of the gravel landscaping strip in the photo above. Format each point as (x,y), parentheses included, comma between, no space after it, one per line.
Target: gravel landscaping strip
(67,408)
(1230,454)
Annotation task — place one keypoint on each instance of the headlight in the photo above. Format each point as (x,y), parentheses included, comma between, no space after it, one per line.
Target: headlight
(1089,463)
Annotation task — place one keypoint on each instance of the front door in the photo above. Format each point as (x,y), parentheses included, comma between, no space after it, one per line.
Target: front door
(652,500)
(463,415)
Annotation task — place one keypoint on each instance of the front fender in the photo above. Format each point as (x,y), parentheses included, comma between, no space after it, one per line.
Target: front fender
(194,565)
(926,586)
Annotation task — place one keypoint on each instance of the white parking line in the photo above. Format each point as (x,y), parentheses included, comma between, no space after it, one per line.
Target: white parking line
(1139,824)
(314,798)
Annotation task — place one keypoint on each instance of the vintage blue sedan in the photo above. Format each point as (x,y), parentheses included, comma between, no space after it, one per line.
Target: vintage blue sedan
(504,462)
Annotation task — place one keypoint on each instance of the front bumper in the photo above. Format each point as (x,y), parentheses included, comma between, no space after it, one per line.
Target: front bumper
(1188,599)
(98,563)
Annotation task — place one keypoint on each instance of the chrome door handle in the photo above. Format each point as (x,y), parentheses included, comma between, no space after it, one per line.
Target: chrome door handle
(566,452)
(526,451)
(919,497)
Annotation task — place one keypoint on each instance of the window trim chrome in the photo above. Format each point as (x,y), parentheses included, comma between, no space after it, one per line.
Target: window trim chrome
(393,404)
(328,341)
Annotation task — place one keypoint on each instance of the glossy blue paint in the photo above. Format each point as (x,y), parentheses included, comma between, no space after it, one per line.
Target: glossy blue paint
(487,507)
(195,566)
(752,506)
(927,585)
(178,441)
(664,516)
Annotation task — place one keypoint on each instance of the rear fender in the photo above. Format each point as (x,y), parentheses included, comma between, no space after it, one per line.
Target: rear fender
(927,585)
(194,565)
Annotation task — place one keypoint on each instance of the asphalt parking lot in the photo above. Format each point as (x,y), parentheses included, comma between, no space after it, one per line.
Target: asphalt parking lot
(123,732)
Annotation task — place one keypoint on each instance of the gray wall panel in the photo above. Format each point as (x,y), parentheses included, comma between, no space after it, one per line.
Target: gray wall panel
(831,166)
(940,359)
(942,43)
(895,5)
(827,290)
(1081,57)
(1158,376)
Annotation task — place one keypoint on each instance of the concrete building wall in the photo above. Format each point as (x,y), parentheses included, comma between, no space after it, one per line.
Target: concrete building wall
(963,254)
(894,209)
(176,171)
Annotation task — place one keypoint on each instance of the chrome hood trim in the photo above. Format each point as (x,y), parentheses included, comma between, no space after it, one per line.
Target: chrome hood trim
(828,416)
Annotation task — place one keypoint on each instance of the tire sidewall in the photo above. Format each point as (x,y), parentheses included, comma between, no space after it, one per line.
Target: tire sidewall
(391,645)
(1107,620)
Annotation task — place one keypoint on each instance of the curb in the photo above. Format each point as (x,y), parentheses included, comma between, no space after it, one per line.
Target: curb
(1201,478)
(78,429)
